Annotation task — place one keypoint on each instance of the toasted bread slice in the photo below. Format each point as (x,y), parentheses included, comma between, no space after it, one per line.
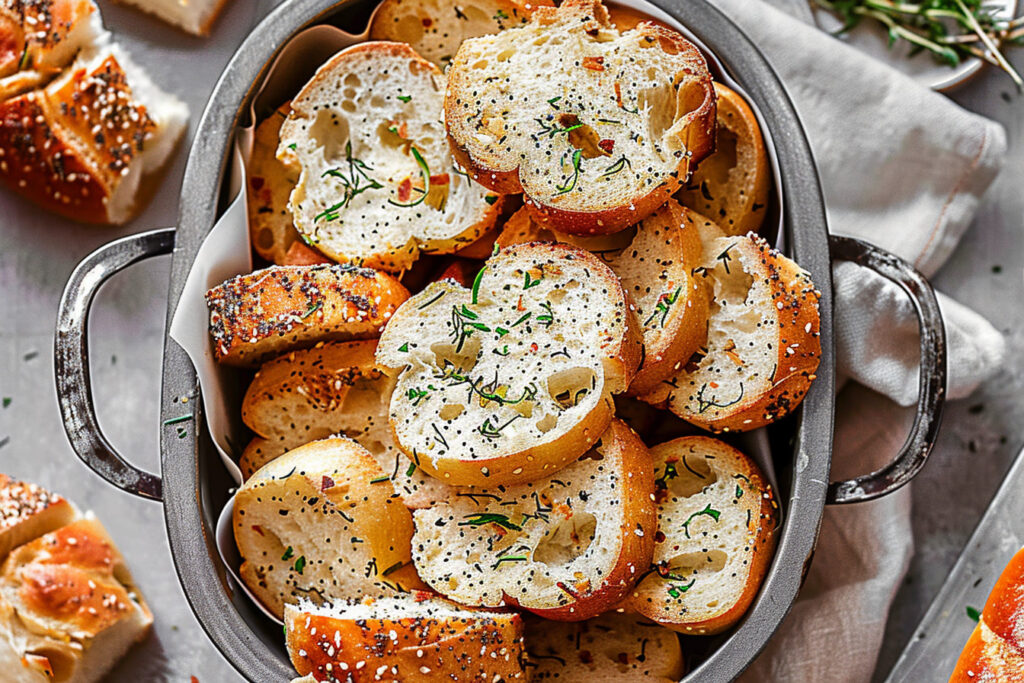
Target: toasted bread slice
(193,16)
(716,535)
(435,28)
(406,638)
(39,39)
(763,344)
(376,183)
(595,126)
(567,547)
(512,379)
(655,263)
(271,182)
(283,308)
(320,523)
(332,388)
(27,512)
(69,609)
(611,648)
(731,185)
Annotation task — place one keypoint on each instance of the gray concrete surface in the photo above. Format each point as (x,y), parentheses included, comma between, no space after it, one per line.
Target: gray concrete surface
(38,251)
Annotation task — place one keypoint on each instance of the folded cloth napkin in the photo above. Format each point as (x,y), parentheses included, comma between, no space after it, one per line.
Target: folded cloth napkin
(904,168)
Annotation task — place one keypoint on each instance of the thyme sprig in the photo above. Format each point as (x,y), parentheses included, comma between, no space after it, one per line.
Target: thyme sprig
(950,30)
(355,179)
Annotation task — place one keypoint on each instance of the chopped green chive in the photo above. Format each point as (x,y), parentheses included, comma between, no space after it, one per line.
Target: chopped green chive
(171,421)
(482,518)
(380,480)
(405,98)
(404,348)
(425,172)
(288,554)
(709,511)
(300,564)
(973,613)
(476,286)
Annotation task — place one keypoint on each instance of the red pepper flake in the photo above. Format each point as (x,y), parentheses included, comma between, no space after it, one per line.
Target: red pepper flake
(623,658)
(405,190)
(258,529)
(256,182)
(326,483)
(659,537)
(194,680)
(586,657)
(607,145)
(421,596)
(440,179)
(593,63)
(427,22)
(534,347)
(618,95)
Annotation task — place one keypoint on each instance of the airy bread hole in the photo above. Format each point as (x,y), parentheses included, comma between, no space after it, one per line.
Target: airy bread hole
(448,358)
(330,132)
(568,540)
(582,137)
(668,45)
(352,81)
(725,157)
(547,423)
(450,411)
(410,27)
(265,238)
(702,563)
(692,475)
(568,387)
(506,55)
(660,102)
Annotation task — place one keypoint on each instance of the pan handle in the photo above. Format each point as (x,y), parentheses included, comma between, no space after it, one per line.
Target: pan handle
(71,359)
(931,377)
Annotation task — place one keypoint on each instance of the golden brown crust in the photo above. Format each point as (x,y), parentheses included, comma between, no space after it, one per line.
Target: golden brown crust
(283,308)
(731,186)
(435,647)
(695,130)
(663,594)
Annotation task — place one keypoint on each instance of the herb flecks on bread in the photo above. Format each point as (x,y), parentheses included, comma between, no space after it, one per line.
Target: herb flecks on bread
(417,637)
(330,389)
(436,28)
(567,547)
(763,344)
(283,308)
(511,379)
(321,523)
(613,647)
(596,127)
(377,184)
(716,522)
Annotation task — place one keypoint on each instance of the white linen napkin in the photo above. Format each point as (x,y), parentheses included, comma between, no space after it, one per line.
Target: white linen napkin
(904,168)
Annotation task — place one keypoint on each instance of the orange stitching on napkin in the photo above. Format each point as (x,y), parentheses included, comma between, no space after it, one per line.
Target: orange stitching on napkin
(949,200)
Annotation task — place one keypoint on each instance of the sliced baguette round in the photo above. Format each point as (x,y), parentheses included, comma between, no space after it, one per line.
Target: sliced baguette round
(513,379)
(321,523)
(716,524)
(655,262)
(283,308)
(271,229)
(731,186)
(376,183)
(416,637)
(763,344)
(595,126)
(611,648)
(330,389)
(566,547)
(435,28)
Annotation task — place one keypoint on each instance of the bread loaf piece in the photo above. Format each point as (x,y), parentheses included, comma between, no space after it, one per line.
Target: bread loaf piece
(595,126)
(377,184)
(731,185)
(407,638)
(995,651)
(84,146)
(38,39)
(69,609)
(193,16)
(567,547)
(332,388)
(271,182)
(655,262)
(282,308)
(435,28)
(716,536)
(27,512)
(512,379)
(322,523)
(611,648)
(763,344)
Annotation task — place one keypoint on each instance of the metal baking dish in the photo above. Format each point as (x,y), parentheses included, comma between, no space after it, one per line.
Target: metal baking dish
(193,484)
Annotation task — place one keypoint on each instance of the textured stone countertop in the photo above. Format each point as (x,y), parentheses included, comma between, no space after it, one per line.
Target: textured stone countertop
(38,252)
